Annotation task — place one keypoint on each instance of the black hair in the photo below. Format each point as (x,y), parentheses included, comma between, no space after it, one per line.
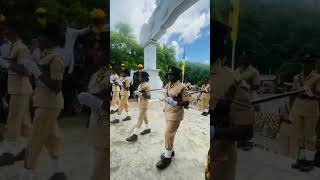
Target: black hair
(145,76)
(54,33)
(126,72)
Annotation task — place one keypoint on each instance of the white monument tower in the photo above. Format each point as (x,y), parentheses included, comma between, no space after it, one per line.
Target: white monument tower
(161,19)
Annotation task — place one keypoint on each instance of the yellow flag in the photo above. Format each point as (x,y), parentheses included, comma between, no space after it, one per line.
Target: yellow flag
(234,19)
(183,67)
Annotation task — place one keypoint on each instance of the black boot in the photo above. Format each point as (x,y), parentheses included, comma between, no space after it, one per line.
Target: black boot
(115,121)
(58,176)
(132,138)
(317,159)
(21,156)
(113,111)
(6,159)
(162,155)
(146,131)
(163,163)
(297,164)
(127,118)
(306,166)
(245,145)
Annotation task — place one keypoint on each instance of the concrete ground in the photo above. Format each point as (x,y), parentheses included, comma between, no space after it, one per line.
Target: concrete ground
(76,160)
(131,161)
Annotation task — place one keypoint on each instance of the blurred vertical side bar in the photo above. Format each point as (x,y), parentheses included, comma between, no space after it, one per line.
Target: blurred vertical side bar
(107,120)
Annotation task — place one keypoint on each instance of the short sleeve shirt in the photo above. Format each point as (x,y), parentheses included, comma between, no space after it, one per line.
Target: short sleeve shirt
(143,102)
(50,63)
(175,91)
(126,82)
(18,84)
(99,81)
(115,88)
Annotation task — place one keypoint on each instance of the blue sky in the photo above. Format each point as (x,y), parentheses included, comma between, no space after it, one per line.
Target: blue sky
(191,29)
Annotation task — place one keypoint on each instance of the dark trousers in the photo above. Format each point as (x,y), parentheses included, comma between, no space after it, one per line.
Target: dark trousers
(69,92)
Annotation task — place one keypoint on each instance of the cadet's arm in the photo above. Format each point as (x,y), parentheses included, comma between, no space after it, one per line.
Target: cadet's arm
(145,95)
(19,69)
(54,85)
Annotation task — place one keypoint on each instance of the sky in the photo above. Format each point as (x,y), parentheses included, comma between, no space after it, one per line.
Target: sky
(190,31)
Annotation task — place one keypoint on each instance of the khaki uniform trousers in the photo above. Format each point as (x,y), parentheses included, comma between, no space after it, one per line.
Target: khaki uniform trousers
(124,104)
(204,103)
(99,139)
(45,133)
(288,141)
(115,98)
(171,130)
(143,117)
(100,169)
(305,128)
(19,118)
(224,159)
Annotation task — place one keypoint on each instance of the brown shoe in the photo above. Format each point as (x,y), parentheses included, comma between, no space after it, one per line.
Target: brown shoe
(58,176)
(115,121)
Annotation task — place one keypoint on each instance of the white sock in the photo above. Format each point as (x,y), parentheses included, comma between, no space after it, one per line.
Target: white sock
(127,113)
(167,153)
(310,155)
(56,166)
(147,126)
(302,154)
(118,116)
(135,131)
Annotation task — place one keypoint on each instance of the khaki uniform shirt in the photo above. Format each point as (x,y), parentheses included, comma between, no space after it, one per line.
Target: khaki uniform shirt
(241,110)
(17,83)
(307,107)
(205,87)
(176,90)
(51,63)
(126,82)
(98,81)
(115,88)
(250,77)
(143,103)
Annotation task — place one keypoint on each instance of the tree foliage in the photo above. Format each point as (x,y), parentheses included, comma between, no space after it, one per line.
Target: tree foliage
(125,49)
(276,31)
(74,11)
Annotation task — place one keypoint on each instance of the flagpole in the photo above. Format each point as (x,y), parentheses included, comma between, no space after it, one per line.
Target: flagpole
(233,54)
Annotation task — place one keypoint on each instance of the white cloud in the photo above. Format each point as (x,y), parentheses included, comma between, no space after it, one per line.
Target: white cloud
(179,50)
(133,12)
(136,12)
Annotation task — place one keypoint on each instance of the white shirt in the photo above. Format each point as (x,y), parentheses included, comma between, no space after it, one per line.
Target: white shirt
(71,36)
(5,49)
(36,54)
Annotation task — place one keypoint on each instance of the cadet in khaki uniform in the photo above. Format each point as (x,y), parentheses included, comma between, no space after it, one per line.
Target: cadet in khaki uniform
(19,89)
(231,114)
(98,86)
(176,98)
(305,113)
(205,97)
(247,73)
(115,92)
(48,103)
(143,94)
(124,93)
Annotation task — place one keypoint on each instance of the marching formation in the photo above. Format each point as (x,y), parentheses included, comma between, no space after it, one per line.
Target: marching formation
(176,96)
(37,77)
